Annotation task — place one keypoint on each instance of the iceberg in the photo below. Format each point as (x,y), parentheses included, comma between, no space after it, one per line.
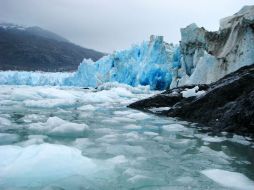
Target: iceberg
(229,179)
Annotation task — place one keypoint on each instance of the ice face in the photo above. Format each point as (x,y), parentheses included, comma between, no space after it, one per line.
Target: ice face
(208,56)
(147,64)
(91,140)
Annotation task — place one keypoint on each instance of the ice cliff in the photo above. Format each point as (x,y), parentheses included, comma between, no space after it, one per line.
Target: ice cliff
(146,64)
(208,56)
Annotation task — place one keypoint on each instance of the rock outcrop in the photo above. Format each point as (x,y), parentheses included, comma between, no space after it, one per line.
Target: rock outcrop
(208,56)
(226,105)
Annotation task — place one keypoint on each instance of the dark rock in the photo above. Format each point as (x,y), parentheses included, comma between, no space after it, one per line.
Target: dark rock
(166,99)
(227,105)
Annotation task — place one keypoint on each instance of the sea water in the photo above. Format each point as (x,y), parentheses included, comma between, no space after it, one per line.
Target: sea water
(56,138)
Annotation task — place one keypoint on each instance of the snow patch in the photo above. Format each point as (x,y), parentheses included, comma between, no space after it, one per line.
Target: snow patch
(192,92)
(160,109)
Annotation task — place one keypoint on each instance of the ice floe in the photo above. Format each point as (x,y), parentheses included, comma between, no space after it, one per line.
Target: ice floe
(229,179)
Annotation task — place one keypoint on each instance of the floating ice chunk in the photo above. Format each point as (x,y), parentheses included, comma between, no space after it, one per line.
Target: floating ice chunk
(82,142)
(41,164)
(70,128)
(32,117)
(4,122)
(124,113)
(182,142)
(73,128)
(132,127)
(158,139)
(192,92)
(49,103)
(240,139)
(111,121)
(185,179)
(122,92)
(139,178)
(138,116)
(132,172)
(7,138)
(120,159)
(229,179)
(123,119)
(7,102)
(110,138)
(59,127)
(174,128)
(104,130)
(132,136)
(122,149)
(149,133)
(87,108)
(34,139)
(213,139)
(219,156)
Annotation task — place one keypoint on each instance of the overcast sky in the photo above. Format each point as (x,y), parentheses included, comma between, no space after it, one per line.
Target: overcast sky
(109,25)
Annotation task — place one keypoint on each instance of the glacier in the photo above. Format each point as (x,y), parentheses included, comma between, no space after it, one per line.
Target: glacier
(208,56)
(202,57)
(149,63)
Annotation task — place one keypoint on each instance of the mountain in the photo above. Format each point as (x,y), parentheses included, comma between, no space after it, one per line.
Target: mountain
(36,49)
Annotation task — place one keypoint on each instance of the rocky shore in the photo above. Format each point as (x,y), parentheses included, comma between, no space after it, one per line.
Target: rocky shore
(225,105)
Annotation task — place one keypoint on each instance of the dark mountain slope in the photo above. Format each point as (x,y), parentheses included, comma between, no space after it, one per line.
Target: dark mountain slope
(34,49)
